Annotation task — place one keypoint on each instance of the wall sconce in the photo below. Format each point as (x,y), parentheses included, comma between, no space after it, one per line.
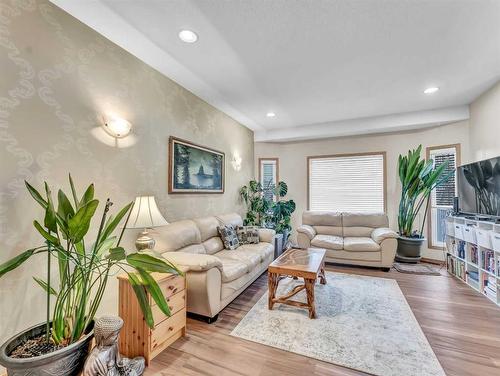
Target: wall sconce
(117,127)
(236,162)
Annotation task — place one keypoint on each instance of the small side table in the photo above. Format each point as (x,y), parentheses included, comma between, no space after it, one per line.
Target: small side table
(136,338)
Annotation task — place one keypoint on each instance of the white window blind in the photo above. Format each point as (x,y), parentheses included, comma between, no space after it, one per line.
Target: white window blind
(268,176)
(442,196)
(347,183)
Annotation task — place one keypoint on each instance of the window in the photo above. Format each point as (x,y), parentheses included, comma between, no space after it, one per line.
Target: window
(268,175)
(347,182)
(441,200)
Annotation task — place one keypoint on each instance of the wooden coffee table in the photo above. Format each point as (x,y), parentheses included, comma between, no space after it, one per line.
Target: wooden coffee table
(308,264)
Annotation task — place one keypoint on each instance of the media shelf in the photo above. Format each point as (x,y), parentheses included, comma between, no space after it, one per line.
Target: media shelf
(473,254)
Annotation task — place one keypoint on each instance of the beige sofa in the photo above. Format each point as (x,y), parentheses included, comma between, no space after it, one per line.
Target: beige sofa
(350,238)
(215,275)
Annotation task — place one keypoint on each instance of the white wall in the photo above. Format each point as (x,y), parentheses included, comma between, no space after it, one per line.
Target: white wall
(293,160)
(485,125)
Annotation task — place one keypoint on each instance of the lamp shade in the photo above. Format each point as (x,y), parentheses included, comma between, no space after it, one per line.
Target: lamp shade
(145,214)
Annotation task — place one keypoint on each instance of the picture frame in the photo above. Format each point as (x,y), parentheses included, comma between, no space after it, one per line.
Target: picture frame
(194,168)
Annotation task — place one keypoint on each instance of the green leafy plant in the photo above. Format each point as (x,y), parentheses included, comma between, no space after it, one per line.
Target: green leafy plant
(263,211)
(83,267)
(280,213)
(418,178)
(257,204)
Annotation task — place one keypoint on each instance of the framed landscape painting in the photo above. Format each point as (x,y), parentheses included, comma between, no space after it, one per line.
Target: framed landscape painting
(194,169)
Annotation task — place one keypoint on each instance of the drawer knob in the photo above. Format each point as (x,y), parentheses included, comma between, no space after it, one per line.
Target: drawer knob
(172,288)
(170,328)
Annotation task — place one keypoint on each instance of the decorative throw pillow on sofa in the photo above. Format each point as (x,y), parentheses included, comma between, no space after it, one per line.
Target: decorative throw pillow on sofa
(248,234)
(228,236)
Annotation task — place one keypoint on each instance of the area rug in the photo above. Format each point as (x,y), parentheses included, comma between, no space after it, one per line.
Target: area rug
(363,323)
(419,268)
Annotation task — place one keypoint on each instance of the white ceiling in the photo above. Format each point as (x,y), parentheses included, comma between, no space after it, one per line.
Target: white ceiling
(325,67)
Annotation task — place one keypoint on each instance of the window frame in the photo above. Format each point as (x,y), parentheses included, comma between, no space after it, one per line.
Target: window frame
(458,162)
(276,161)
(361,154)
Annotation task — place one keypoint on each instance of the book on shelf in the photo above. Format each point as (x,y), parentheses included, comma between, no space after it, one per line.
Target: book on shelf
(461,249)
(473,254)
(474,275)
(488,260)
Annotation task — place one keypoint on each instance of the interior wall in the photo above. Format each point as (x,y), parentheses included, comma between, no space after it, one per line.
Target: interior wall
(293,161)
(485,125)
(58,78)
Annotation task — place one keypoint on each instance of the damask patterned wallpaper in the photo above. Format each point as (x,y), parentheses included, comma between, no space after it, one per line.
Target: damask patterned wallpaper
(57,79)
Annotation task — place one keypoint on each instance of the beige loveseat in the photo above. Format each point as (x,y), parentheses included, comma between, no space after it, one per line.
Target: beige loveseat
(350,238)
(215,275)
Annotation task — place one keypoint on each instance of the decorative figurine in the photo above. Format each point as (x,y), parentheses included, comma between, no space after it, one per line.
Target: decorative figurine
(105,358)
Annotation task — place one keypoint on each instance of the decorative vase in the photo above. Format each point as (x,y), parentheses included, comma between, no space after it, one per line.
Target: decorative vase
(67,361)
(409,249)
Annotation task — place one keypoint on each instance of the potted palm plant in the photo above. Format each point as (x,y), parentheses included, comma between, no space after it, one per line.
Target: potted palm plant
(280,213)
(60,345)
(418,178)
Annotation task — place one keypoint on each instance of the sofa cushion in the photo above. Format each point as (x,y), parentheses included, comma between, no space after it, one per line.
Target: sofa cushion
(232,269)
(250,259)
(228,235)
(329,230)
(213,245)
(351,257)
(248,234)
(362,224)
(327,241)
(230,219)
(177,235)
(207,226)
(360,244)
(262,249)
(193,248)
(322,218)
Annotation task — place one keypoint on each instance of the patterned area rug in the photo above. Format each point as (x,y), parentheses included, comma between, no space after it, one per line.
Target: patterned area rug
(424,269)
(363,323)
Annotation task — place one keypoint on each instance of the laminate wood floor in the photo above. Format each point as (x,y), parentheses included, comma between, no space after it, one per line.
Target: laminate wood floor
(462,326)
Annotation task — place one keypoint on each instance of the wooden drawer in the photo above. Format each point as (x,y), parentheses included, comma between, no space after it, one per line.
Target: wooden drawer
(166,329)
(171,286)
(175,302)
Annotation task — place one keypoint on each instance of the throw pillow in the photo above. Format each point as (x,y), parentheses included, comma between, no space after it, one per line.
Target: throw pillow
(228,236)
(248,234)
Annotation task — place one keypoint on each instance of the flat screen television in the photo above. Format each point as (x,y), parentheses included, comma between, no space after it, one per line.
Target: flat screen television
(479,188)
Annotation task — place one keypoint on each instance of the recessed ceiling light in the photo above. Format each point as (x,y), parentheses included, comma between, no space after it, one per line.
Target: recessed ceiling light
(270,114)
(431,90)
(188,36)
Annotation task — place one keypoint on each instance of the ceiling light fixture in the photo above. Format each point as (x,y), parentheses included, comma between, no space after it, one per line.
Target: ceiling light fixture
(188,36)
(431,90)
(270,114)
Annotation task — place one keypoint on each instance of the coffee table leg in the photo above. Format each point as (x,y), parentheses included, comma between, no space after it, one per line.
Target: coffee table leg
(272,284)
(310,296)
(322,277)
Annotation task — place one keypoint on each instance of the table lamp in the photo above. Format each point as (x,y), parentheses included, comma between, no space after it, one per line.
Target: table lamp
(145,214)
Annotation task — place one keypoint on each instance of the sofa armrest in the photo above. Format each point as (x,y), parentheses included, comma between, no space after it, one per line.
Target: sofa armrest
(309,231)
(193,261)
(266,235)
(382,233)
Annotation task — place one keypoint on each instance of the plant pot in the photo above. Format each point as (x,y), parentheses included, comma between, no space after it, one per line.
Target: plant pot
(409,249)
(67,361)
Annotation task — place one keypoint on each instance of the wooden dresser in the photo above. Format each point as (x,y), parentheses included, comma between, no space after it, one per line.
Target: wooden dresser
(136,338)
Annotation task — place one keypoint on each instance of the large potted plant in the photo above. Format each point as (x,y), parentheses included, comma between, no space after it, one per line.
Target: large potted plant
(256,202)
(280,213)
(418,178)
(60,345)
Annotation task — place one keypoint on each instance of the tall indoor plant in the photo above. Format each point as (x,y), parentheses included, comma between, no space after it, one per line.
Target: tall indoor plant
(256,202)
(83,270)
(280,213)
(418,178)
